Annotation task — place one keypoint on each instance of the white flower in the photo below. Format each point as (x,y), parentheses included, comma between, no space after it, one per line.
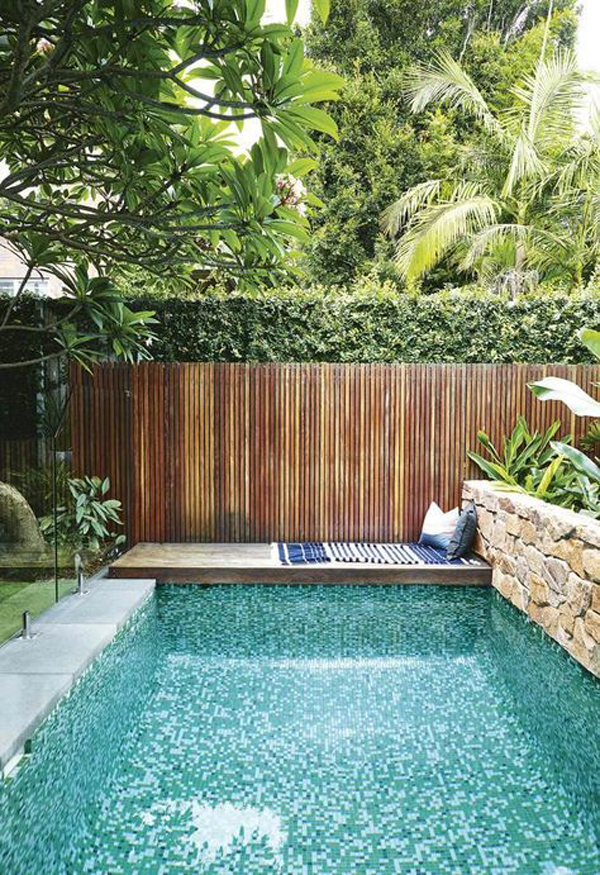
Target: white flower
(43,46)
(291,192)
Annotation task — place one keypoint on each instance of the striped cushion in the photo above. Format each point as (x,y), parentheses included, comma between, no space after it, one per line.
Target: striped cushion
(379,554)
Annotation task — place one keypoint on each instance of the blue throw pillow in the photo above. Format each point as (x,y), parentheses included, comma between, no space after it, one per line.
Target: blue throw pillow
(440,542)
(464,533)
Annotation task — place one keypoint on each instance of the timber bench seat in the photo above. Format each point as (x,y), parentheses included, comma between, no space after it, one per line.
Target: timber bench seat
(254,563)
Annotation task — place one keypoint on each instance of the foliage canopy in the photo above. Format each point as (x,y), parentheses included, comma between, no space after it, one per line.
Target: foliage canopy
(384,149)
(115,129)
(523,201)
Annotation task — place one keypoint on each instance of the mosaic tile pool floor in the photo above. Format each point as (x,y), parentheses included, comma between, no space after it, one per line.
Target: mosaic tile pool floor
(316,730)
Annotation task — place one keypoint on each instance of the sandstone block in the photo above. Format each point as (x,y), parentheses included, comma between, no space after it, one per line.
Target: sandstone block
(513,524)
(570,551)
(546,617)
(591,563)
(485,523)
(535,560)
(579,595)
(556,572)
(566,621)
(504,503)
(592,625)
(538,590)
(588,531)
(559,523)
(581,637)
(519,596)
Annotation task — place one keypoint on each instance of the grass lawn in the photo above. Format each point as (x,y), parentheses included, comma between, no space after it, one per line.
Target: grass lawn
(16,597)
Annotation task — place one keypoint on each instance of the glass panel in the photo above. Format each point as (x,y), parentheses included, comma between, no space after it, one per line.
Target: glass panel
(35,569)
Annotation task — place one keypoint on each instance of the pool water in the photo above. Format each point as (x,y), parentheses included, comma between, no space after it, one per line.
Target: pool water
(356,729)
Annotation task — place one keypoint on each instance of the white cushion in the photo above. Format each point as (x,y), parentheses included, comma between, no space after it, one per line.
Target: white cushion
(437,522)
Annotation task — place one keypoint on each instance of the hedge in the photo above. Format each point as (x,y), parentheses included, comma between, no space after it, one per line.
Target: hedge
(312,327)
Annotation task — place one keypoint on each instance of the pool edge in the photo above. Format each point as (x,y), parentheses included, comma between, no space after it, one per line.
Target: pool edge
(35,675)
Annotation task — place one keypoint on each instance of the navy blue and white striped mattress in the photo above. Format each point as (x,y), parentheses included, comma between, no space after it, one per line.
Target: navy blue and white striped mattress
(379,554)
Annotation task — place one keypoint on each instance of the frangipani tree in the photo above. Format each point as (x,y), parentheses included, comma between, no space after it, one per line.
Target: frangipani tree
(117,145)
(524,201)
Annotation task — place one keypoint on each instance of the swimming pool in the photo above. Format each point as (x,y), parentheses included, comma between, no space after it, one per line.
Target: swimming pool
(281,729)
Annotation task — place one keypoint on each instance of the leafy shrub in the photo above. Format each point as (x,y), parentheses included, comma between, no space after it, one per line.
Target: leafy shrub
(374,323)
(535,464)
(528,463)
(85,522)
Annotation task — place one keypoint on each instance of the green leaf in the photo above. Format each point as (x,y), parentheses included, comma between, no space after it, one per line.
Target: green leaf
(255,10)
(582,463)
(591,339)
(557,389)
(291,7)
(322,7)
(548,477)
(314,118)
(302,166)
(493,470)
(290,229)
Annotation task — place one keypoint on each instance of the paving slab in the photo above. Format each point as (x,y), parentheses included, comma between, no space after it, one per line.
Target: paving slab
(26,702)
(104,603)
(35,674)
(59,648)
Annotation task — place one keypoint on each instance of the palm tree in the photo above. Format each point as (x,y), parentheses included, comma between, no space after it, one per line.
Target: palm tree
(525,200)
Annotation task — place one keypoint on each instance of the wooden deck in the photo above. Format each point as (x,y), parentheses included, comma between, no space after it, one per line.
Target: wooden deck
(253,563)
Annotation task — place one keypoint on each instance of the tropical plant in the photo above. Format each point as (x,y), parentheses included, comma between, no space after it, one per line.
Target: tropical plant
(559,389)
(87,519)
(527,463)
(384,149)
(591,438)
(581,404)
(116,137)
(523,202)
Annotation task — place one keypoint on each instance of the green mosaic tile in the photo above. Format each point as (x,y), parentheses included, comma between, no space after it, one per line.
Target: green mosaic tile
(317,730)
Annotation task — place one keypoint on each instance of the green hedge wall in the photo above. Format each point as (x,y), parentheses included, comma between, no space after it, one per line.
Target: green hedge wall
(305,327)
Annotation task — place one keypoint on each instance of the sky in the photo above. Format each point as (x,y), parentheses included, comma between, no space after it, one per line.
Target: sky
(588,36)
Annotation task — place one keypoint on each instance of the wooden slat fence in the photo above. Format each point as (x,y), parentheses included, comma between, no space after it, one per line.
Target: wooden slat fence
(247,453)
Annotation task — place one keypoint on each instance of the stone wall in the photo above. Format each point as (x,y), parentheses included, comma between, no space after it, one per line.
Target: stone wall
(546,561)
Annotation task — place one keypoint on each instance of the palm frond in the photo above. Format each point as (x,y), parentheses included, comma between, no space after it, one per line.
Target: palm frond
(525,164)
(550,97)
(578,167)
(445,81)
(402,210)
(491,238)
(537,240)
(438,228)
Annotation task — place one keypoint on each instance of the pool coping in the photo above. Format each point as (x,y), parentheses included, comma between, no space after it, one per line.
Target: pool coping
(35,674)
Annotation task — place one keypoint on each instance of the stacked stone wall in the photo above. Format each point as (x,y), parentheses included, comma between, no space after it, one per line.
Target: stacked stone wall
(546,561)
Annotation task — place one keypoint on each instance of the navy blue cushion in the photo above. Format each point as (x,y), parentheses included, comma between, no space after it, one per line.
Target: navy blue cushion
(440,542)
(464,533)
